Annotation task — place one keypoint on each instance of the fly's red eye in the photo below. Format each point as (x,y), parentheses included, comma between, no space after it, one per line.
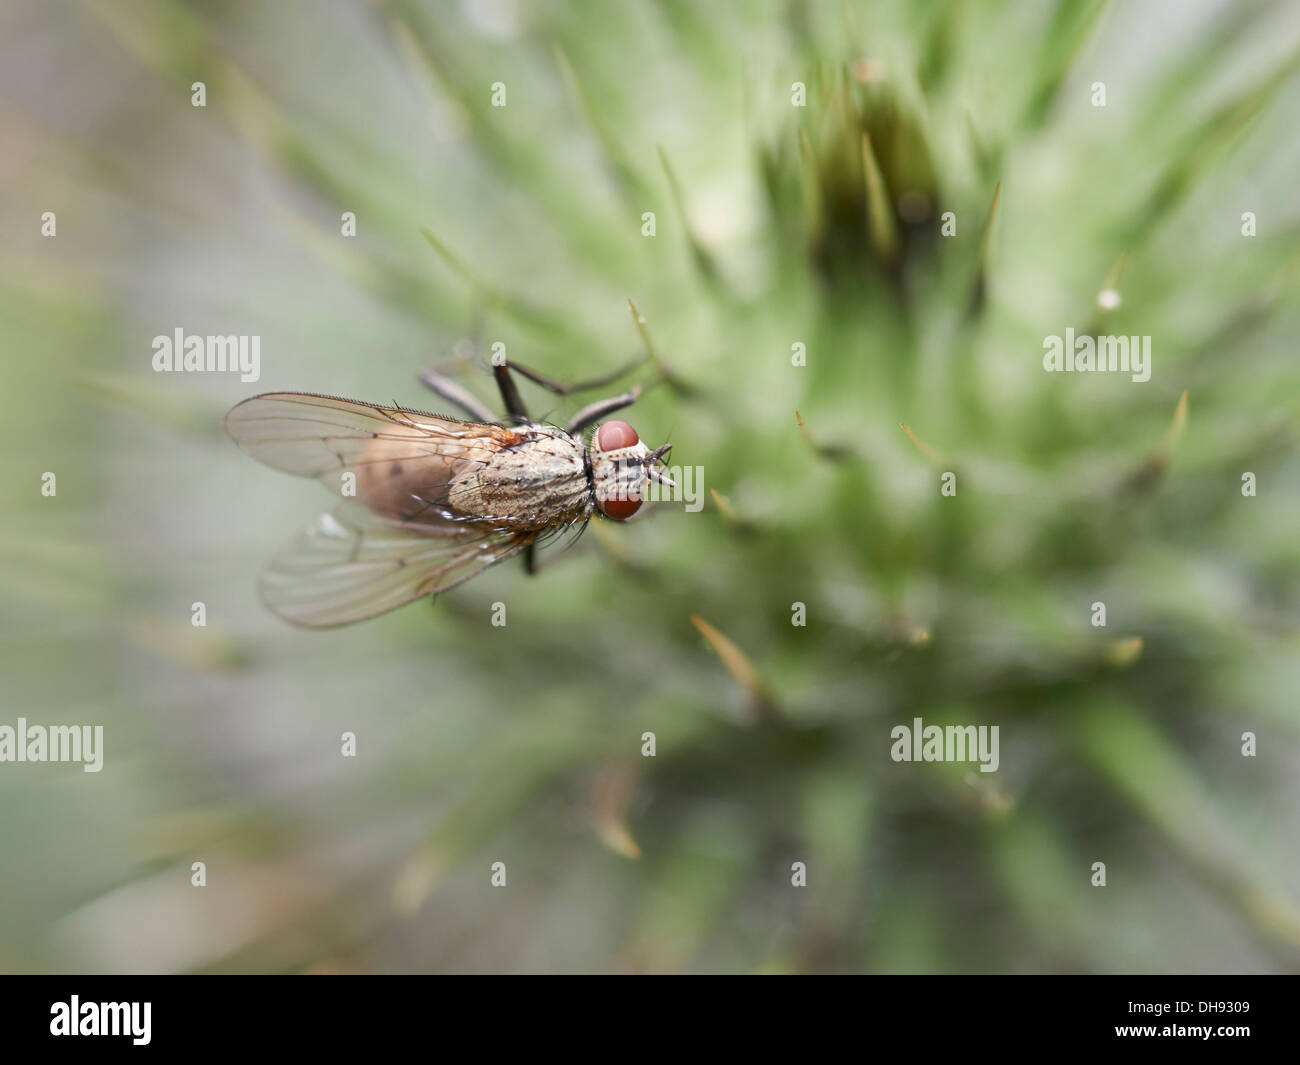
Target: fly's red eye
(621,509)
(614,435)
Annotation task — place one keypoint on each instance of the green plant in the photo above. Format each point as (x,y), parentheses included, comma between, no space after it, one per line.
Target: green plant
(775,226)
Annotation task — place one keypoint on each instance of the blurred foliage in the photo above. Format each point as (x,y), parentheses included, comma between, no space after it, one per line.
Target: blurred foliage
(775,225)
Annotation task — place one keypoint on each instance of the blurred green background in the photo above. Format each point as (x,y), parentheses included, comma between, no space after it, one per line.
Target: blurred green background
(775,225)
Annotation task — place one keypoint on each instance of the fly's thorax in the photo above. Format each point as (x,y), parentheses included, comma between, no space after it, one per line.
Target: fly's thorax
(620,468)
(537,483)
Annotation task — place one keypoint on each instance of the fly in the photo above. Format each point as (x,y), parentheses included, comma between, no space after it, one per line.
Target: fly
(431,501)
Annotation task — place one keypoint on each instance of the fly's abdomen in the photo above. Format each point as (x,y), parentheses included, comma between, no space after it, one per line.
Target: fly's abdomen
(401,482)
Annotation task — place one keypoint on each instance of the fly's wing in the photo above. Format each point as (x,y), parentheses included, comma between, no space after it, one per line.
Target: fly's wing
(400,463)
(399,537)
(353,564)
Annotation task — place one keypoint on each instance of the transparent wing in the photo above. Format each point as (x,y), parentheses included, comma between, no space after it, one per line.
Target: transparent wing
(353,564)
(325,437)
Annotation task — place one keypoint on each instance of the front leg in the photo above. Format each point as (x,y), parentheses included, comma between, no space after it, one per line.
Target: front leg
(593,412)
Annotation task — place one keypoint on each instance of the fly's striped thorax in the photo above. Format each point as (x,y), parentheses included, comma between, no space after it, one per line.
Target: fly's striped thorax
(538,483)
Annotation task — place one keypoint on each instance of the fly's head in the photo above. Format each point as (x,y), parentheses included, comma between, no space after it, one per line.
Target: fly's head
(621,466)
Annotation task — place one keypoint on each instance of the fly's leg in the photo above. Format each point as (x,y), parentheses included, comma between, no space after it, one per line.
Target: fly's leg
(457,394)
(593,412)
(561,389)
(514,403)
(516,411)
(532,555)
(468,402)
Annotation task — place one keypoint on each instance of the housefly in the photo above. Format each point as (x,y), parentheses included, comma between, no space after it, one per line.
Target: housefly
(429,501)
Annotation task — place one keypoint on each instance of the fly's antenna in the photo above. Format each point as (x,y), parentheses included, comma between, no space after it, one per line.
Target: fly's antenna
(652,462)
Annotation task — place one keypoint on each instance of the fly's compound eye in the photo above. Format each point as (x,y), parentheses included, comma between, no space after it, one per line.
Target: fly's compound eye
(620,509)
(614,435)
